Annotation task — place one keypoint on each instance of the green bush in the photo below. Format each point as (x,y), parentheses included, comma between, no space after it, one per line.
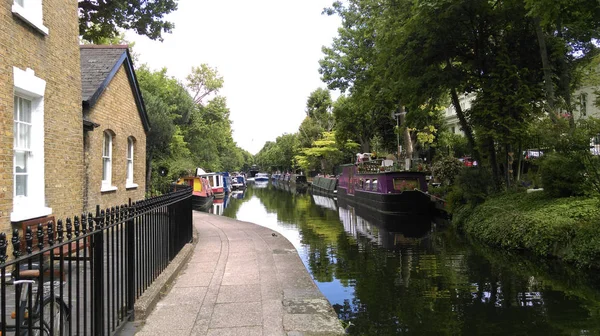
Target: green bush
(472,186)
(445,169)
(563,175)
(566,228)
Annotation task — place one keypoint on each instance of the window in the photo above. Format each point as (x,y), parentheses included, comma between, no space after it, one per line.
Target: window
(22,144)
(129,181)
(30,11)
(28,146)
(374,185)
(107,144)
(453,130)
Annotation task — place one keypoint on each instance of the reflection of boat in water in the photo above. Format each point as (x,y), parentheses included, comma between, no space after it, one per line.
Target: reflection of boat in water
(237,194)
(388,231)
(219,205)
(202,194)
(261,184)
(325,202)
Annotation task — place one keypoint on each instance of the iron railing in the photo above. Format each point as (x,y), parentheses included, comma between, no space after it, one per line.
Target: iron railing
(82,276)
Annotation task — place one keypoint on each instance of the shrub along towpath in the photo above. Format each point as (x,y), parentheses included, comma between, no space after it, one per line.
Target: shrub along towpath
(565,228)
(242,279)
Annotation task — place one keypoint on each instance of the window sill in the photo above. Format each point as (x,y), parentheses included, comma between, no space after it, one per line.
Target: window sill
(26,16)
(108,188)
(131,186)
(24,212)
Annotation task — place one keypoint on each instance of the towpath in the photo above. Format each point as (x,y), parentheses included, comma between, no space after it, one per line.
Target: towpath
(242,279)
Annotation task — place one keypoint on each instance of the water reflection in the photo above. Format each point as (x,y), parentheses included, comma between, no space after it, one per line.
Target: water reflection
(392,276)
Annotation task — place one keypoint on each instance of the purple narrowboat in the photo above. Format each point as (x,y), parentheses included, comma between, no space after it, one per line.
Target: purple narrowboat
(378,185)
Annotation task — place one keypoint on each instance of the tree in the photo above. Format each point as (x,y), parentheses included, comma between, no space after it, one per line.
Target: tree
(318,107)
(324,151)
(100,19)
(204,81)
(169,107)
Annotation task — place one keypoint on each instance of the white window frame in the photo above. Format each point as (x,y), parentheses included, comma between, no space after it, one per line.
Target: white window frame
(28,86)
(107,183)
(130,156)
(31,12)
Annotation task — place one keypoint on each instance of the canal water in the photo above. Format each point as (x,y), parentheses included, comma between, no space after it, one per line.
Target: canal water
(419,278)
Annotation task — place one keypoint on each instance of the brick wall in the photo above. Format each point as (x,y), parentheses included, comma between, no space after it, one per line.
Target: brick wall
(115,111)
(55,59)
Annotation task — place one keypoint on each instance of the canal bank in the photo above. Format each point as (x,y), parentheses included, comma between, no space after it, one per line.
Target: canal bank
(562,228)
(242,279)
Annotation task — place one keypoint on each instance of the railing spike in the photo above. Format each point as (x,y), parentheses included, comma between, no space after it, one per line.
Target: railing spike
(3,246)
(29,239)
(16,242)
(83,224)
(40,236)
(90,222)
(60,231)
(76,225)
(69,229)
(50,232)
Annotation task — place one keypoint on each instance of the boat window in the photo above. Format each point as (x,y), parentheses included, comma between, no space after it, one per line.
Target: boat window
(367,184)
(405,184)
(374,185)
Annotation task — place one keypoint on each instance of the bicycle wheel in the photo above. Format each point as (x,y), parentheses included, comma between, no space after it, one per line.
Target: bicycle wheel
(61,315)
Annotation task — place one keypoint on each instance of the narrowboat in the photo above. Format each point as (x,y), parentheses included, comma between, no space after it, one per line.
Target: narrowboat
(215,180)
(298,179)
(325,184)
(261,177)
(227,182)
(202,194)
(378,185)
(238,182)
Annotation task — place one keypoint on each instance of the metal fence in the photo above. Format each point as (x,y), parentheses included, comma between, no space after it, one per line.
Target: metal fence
(82,276)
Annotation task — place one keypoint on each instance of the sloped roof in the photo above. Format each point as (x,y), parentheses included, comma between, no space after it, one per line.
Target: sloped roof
(99,64)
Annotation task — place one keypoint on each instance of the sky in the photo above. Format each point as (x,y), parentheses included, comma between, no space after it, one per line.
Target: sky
(266,50)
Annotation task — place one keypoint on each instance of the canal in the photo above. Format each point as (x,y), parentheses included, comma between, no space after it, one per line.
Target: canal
(419,279)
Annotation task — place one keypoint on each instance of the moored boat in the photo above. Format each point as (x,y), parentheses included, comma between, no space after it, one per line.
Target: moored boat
(379,185)
(202,194)
(298,179)
(215,180)
(227,182)
(238,182)
(261,177)
(325,184)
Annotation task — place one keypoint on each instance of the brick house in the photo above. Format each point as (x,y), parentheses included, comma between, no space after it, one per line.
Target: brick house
(51,158)
(41,156)
(115,127)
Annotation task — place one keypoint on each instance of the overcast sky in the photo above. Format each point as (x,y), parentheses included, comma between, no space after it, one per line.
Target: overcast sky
(266,50)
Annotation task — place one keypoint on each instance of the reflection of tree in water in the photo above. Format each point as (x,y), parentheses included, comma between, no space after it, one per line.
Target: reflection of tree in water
(438,285)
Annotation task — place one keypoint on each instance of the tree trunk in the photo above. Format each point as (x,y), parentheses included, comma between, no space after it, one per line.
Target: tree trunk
(407,140)
(463,124)
(493,161)
(509,162)
(520,162)
(548,84)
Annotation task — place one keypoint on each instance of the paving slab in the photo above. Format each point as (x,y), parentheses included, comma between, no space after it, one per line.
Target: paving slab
(241,280)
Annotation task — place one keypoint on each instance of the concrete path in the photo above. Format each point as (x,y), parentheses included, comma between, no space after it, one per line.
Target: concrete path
(242,279)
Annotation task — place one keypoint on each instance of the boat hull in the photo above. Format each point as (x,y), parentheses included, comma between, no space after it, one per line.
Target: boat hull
(407,202)
(202,203)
